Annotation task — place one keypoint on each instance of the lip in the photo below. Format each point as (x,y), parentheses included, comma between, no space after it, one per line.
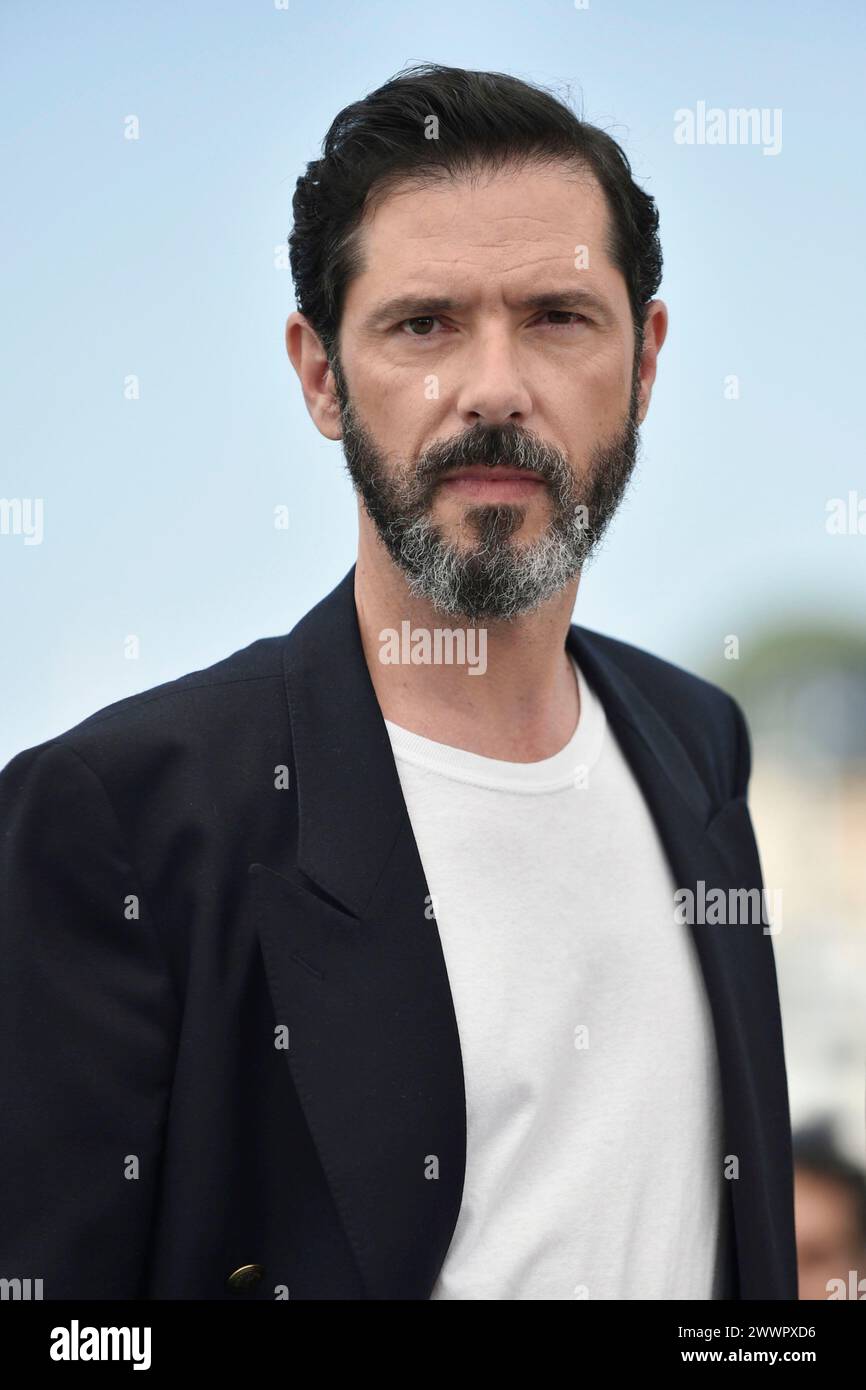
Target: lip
(478,484)
(492,475)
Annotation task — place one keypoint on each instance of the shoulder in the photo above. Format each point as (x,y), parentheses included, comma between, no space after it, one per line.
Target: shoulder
(663,677)
(201,706)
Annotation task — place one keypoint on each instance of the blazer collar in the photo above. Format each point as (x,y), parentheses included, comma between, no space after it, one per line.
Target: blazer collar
(345,770)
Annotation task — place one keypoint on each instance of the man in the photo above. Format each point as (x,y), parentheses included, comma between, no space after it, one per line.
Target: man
(352,967)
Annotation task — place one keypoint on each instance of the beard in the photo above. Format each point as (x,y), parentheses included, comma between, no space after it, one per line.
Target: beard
(494,577)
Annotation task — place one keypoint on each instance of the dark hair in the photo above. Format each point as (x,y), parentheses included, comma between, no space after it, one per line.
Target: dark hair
(816,1151)
(485,120)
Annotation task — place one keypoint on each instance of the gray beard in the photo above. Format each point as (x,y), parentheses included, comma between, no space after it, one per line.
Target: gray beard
(495,577)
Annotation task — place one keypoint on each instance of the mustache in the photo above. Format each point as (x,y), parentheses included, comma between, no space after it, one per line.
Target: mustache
(487,446)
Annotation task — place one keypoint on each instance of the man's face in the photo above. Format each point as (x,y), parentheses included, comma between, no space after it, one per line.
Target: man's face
(488,392)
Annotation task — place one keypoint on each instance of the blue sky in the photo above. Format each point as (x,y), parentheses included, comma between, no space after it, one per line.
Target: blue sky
(157,257)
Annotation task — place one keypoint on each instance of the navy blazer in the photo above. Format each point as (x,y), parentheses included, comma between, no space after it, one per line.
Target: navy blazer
(228,1039)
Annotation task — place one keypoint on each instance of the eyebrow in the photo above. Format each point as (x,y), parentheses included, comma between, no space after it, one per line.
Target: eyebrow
(419,305)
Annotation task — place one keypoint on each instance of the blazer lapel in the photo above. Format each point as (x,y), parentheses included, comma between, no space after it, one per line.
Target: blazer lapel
(716,847)
(356,969)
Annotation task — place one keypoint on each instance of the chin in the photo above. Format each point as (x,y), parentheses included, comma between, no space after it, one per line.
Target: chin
(475,516)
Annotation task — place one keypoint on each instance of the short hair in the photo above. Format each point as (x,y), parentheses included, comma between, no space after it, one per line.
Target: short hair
(486,120)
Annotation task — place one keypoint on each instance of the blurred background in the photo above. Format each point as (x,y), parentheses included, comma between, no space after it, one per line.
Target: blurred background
(152,425)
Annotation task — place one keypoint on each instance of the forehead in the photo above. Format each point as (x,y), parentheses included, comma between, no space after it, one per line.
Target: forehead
(517,223)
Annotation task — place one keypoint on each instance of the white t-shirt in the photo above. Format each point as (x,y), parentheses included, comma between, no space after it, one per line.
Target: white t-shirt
(594,1138)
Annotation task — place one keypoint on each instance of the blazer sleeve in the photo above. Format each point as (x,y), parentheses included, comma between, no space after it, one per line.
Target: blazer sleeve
(88,1027)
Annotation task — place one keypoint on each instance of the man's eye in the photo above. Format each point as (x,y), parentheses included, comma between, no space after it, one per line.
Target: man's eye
(567,315)
(423,323)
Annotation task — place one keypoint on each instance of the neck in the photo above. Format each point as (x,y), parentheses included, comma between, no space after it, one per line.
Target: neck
(508,690)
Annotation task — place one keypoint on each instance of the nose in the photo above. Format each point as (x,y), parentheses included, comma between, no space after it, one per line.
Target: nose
(492,388)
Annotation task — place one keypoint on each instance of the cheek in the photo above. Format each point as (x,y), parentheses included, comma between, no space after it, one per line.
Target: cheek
(397,426)
(588,389)
(588,418)
(401,407)
(404,421)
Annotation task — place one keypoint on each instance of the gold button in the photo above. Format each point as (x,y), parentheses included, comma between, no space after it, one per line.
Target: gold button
(246,1277)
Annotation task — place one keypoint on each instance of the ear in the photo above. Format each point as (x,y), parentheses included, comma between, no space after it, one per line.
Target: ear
(310,361)
(655,332)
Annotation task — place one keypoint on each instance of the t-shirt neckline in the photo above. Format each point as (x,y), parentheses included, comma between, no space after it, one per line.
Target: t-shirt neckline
(564,769)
